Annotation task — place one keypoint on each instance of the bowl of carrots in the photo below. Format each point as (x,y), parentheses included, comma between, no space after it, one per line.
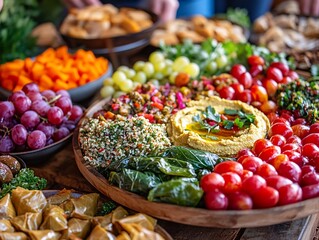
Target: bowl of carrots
(80,73)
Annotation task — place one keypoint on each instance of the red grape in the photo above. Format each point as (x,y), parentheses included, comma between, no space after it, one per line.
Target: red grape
(19,134)
(47,129)
(48,94)
(30,87)
(36,139)
(6,144)
(55,115)
(76,113)
(63,93)
(6,109)
(22,104)
(41,107)
(30,119)
(64,103)
(61,133)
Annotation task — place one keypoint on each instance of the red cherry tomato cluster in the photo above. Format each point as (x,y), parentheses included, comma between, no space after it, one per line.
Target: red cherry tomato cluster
(256,85)
(276,171)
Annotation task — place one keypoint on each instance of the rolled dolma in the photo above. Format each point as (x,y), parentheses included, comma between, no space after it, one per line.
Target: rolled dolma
(85,206)
(77,227)
(27,221)
(99,233)
(44,235)
(6,226)
(7,209)
(54,219)
(13,236)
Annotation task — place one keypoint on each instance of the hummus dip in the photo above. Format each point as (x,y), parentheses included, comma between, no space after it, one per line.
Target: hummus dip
(193,126)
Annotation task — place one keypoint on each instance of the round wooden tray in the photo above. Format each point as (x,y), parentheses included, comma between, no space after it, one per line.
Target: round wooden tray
(188,215)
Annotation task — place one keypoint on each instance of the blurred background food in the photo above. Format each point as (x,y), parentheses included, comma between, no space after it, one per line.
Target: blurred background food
(104,21)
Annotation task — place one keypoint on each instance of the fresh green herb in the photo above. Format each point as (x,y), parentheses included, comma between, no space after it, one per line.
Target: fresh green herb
(107,207)
(238,16)
(210,113)
(26,179)
(242,121)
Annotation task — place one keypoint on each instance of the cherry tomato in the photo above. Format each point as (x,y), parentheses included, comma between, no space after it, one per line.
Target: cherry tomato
(265,197)
(227,92)
(279,159)
(257,81)
(268,107)
(251,184)
(309,150)
(229,166)
(271,86)
(311,138)
(314,128)
(245,96)
(255,60)
(260,145)
(293,75)
(239,201)
(290,170)
(278,140)
(286,80)
(244,152)
(259,93)
(269,153)
(310,178)
(300,121)
(255,70)
(278,181)
(251,163)
(294,139)
(233,182)
(237,70)
(281,66)
(212,181)
(310,191)
(291,146)
(272,117)
(245,79)
(307,169)
(274,73)
(294,157)
(266,170)
(237,87)
(281,129)
(289,194)
(246,174)
(287,115)
(281,120)
(300,130)
(216,200)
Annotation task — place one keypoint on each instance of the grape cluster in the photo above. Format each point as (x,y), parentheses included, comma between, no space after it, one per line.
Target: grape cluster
(31,119)
(157,68)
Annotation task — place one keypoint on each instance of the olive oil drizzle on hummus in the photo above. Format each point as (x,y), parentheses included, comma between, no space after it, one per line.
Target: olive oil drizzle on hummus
(210,125)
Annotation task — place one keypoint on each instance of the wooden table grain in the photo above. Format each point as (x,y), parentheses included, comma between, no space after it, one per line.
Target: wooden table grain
(61,172)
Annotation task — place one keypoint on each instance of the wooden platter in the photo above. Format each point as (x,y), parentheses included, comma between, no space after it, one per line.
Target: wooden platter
(188,215)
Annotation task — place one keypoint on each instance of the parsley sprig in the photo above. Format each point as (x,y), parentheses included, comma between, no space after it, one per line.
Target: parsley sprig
(243,120)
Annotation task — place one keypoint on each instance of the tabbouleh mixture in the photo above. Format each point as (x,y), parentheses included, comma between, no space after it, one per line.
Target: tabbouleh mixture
(103,141)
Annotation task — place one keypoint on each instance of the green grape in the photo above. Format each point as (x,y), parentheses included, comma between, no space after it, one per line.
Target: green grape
(107,91)
(118,77)
(140,77)
(221,61)
(156,57)
(192,69)
(158,75)
(180,63)
(172,77)
(148,69)
(167,70)
(138,66)
(168,62)
(130,73)
(108,82)
(118,94)
(155,82)
(211,66)
(159,66)
(122,68)
(126,85)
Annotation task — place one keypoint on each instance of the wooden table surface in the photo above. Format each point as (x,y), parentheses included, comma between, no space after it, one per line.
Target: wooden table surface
(61,171)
